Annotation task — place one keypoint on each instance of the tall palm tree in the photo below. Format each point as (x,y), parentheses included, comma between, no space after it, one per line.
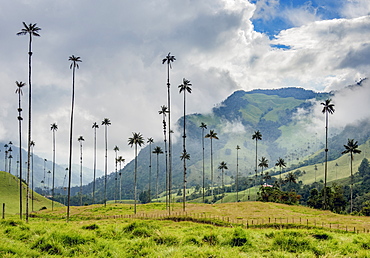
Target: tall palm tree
(163,112)
(150,141)
(211,135)
(33,31)
(53,128)
(94,126)
(75,60)
(184,156)
(203,126)
(116,150)
(351,148)
(20,92)
(120,161)
(281,164)
(106,122)
(6,155)
(184,87)
(32,146)
(80,140)
(223,166)
(136,139)
(263,164)
(237,173)
(327,109)
(157,150)
(168,60)
(256,136)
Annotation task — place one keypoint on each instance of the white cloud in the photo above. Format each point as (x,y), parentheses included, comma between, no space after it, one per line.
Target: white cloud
(355,8)
(122,43)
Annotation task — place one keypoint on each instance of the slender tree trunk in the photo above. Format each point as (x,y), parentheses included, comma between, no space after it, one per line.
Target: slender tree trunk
(203,161)
(169,141)
(150,172)
(105,167)
(120,181)
(184,160)
(351,184)
(211,170)
(20,154)
(166,154)
(93,193)
(29,125)
(52,192)
(156,181)
(255,180)
(115,182)
(80,173)
(326,160)
(135,179)
(237,176)
(70,145)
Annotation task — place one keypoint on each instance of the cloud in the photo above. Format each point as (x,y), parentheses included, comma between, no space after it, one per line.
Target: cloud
(355,8)
(122,43)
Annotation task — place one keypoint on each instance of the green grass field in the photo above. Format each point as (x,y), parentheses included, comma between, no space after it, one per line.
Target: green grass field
(218,230)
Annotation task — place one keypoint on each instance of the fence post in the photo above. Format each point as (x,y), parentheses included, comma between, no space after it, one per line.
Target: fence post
(3,210)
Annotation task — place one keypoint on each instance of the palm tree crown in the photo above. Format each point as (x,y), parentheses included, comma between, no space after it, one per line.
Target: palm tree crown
(30,29)
(328,106)
(75,60)
(351,148)
(185,86)
(168,59)
(211,135)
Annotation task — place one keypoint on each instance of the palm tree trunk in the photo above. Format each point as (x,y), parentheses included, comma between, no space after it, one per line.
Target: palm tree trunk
(105,167)
(93,193)
(255,180)
(150,172)
(135,179)
(156,181)
(326,160)
(203,161)
(70,145)
(20,154)
(80,173)
(237,176)
(29,125)
(52,192)
(211,170)
(184,150)
(169,141)
(351,184)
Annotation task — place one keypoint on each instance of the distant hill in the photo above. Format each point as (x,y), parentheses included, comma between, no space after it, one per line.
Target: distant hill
(9,194)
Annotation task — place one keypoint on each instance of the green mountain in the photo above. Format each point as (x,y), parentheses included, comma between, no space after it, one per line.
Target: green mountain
(281,115)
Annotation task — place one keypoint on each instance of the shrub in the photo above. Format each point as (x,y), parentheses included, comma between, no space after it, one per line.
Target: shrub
(210,239)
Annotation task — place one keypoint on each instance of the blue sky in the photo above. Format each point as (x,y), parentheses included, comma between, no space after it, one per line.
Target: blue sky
(220,46)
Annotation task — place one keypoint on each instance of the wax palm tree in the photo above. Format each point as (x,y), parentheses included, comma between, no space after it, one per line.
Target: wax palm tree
(150,141)
(203,126)
(163,112)
(80,140)
(256,136)
(157,150)
(33,147)
(290,178)
(20,92)
(106,122)
(33,31)
(211,135)
(263,164)
(94,126)
(136,139)
(351,148)
(120,161)
(327,109)
(168,60)
(53,128)
(281,164)
(184,156)
(6,155)
(75,60)
(237,173)
(223,166)
(184,87)
(116,150)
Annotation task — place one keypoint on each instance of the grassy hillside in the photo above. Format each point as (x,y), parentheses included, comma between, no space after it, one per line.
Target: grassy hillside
(205,231)
(9,194)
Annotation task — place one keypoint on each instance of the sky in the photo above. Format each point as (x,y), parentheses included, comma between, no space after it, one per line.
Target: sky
(220,46)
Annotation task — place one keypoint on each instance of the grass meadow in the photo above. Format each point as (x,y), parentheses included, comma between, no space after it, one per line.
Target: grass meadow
(218,230)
